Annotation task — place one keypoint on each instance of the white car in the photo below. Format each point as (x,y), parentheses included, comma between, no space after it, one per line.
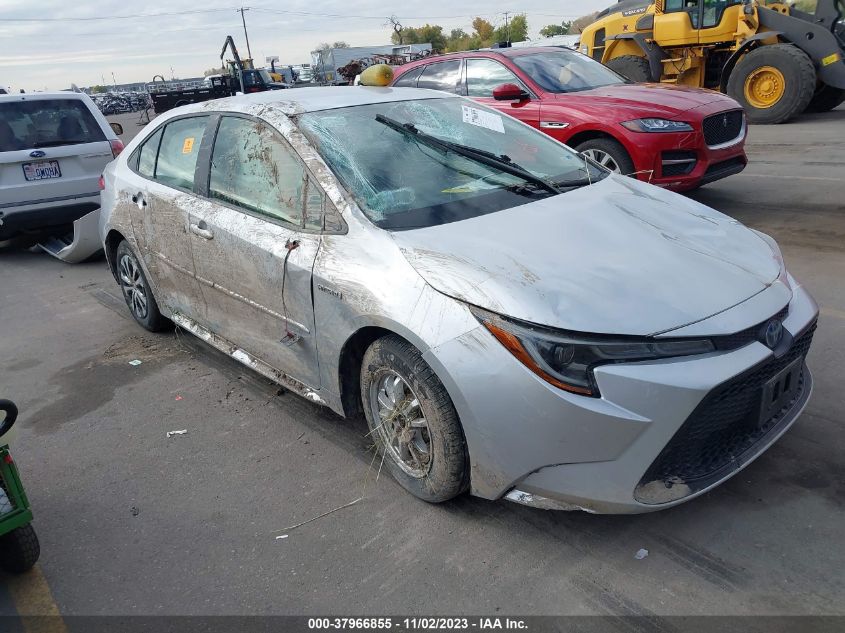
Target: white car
(512,319)
(53,149)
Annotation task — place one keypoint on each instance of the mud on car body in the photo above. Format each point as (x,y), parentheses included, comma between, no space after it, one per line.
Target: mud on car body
(511,319)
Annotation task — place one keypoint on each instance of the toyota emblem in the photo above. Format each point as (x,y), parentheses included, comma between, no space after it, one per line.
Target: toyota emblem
(774,333)
(725,121)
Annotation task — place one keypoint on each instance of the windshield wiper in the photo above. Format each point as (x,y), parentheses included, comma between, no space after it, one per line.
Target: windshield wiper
(502,163)
(575,183)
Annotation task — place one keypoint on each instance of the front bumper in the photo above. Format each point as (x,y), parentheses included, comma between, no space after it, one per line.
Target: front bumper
(549,448)
(681,161)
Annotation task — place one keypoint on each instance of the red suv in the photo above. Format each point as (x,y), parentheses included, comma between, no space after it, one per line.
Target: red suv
(675,137)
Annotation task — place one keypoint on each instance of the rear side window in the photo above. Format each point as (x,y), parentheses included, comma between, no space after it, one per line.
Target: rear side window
(252,167)
(177,155)
(147,155)
(483,75)
(442,76)
(409,79)
(47,123)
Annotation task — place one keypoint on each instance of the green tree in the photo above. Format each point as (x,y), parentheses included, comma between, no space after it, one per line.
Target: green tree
(98,89)
(427,34)
(214,71)
(555,29)
(515,31)
(482,29)
(340,44)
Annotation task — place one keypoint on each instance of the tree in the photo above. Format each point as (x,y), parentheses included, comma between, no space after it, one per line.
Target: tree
(428,34)
(515,31)
(98,89)
(340,44)
(555,29)
(214,71)
(397,27)
(482,29)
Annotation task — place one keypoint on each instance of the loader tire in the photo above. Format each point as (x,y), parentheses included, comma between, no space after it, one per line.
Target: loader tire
(825,99)
(631,67)
(773,83)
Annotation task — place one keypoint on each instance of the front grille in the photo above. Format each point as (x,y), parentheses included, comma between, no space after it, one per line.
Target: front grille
(723,127)
(748,335)
(723,431)
(677,163)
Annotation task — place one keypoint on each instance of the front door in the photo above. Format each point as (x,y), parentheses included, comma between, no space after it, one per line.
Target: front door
(254,243)
(484,75)
(161,187)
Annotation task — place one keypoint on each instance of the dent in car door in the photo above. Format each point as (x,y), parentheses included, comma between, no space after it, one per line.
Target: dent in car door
(165,181)
(253,257)
(483,75)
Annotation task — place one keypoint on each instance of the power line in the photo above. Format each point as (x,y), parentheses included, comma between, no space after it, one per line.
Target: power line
(116,17)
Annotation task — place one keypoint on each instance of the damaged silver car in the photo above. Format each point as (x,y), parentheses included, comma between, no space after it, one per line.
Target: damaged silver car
(512,319)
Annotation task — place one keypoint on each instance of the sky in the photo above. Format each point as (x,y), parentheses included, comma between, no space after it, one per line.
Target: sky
(51,44)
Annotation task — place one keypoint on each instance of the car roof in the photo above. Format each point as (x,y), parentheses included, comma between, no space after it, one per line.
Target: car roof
(504,52)
(40,96)
(298,100)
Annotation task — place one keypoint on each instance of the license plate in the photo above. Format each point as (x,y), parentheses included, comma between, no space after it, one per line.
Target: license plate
(780,390)
(42,170)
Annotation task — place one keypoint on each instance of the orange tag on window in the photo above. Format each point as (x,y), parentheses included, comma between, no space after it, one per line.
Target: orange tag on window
(188,145)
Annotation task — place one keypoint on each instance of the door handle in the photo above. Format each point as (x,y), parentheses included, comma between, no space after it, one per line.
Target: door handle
(140,200)
(204,233)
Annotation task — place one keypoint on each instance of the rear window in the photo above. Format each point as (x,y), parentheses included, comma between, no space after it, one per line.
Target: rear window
(46,123)
(177,154)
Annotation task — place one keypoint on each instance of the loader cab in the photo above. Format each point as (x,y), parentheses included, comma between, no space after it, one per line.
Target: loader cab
(688,22)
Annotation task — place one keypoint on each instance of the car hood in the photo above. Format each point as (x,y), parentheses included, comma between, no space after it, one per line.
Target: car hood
(658,99)
(617,257)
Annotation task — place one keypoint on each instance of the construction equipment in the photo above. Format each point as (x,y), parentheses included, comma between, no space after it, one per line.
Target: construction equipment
(776,60)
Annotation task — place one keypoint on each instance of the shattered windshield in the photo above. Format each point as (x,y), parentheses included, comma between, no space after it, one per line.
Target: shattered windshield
(401,182)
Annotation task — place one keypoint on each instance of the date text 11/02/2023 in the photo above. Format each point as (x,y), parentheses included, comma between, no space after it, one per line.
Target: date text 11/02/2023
(419,623)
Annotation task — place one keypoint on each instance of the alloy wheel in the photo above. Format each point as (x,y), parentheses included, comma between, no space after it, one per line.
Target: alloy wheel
(603,158)
(133,286)
(402,426)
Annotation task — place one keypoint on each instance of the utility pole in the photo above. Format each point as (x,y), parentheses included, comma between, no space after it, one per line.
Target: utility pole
(241,11)
(507,28)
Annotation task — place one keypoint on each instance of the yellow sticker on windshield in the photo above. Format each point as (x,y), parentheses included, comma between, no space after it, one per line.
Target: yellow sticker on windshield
(188,145)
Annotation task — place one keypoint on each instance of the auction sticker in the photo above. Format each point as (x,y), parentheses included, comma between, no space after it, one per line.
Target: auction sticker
(482,118)
(188,145)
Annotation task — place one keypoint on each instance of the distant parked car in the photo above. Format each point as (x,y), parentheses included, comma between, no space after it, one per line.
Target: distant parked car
(53,149)
(512,319)
(674,137)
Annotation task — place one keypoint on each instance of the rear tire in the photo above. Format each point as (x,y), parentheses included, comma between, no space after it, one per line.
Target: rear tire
(773,83)
(826,98)
(413,422)
(608,153)
(637,69)
(136,290)
(19,550)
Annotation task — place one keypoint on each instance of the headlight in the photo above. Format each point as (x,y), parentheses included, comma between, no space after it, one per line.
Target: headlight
(657,125)
(566,360)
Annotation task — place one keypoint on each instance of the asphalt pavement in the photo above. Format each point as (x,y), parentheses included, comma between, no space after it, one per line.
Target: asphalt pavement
(132,521)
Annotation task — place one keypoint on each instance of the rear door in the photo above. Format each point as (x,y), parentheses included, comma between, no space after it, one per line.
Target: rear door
(445,76)
(161,192)
(483,75)
(50,150)
(254,241)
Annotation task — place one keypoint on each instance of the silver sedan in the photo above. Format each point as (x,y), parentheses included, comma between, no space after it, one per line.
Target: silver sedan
(511,319)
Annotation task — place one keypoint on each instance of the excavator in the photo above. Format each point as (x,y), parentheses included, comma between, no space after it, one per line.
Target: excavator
(774,59)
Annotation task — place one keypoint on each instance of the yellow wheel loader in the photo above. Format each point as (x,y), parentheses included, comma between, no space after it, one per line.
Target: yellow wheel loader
(775,60)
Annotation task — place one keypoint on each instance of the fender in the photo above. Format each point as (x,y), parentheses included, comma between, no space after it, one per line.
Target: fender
(746,45)
(812,38)
(653,52)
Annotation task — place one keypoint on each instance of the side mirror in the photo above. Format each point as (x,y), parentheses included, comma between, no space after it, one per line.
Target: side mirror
(510,92)
(117,128)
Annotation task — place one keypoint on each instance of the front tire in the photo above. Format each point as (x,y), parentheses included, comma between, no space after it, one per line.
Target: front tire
(136,290)
(773,83)
(413,421)
(637,69)
(19,550)
(608,153)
